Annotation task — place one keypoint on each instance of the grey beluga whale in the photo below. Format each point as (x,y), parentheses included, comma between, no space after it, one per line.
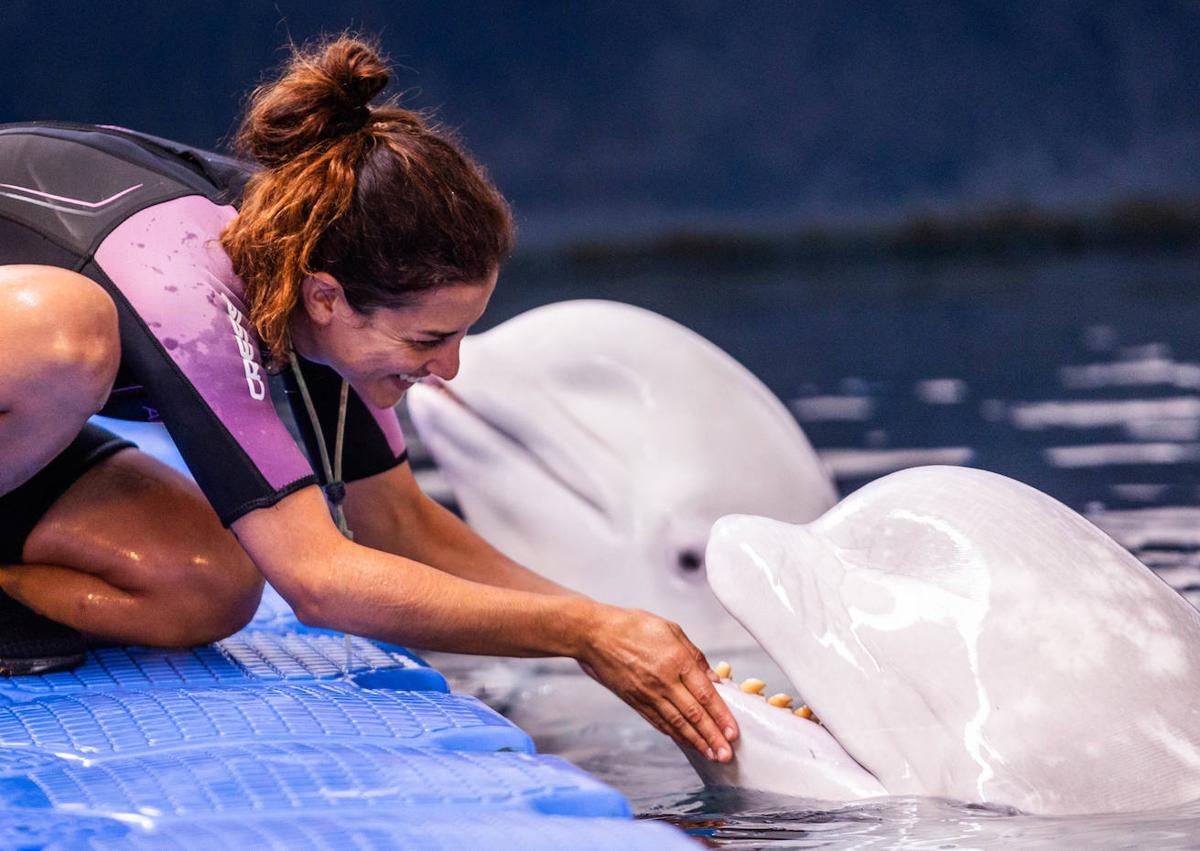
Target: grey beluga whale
(597,442)
(961,635)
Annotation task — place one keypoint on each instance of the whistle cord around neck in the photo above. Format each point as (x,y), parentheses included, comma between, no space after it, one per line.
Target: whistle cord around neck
(335,488)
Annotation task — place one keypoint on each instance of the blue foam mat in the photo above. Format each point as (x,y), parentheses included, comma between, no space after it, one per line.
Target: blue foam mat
(426,830)
(249,743)
(275,615)
(123,723)
(249,656)
(311,777)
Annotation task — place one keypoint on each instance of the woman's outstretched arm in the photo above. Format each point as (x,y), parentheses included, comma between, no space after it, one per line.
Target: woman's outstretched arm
(336,583)
(389,512)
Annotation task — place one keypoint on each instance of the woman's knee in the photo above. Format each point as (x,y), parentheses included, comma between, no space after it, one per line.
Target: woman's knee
(145,529)
(214,596)
(64,337)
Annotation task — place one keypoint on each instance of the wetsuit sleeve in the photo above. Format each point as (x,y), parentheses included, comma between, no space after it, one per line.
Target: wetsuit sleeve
(186,339)
(373,441)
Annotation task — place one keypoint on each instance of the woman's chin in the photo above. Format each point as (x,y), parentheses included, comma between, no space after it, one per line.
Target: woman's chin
(385,392)
(391,398)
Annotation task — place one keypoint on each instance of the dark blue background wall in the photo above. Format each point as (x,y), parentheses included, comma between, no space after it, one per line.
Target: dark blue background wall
(619,116)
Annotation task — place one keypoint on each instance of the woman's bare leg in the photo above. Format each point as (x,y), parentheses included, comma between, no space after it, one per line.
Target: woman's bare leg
(59,352)
(132,553)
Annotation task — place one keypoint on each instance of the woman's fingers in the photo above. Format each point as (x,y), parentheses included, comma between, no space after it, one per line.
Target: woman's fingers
(698,698)
(693,708)
(665,678)
(682,729)
(699,681)
(655,720)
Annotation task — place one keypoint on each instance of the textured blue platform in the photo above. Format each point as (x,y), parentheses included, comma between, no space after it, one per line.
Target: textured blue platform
(119,723)
(275,615)
(270,740)
(425,830)
(311,777)
(282,737)
(245,658)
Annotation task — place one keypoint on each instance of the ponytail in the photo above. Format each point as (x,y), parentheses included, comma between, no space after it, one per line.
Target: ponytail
(376,197)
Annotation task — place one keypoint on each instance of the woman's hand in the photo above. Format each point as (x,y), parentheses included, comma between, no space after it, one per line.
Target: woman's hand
(339,584)
(650,664)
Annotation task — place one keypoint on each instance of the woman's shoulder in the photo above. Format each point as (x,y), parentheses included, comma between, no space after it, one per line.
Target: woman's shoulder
(86,145)
(74,185)
(168,256)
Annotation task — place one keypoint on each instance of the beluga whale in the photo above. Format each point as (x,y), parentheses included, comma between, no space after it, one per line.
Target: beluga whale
(955,633)
(597,442)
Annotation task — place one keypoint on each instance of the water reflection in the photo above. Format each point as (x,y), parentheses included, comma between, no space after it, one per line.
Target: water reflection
(925,823)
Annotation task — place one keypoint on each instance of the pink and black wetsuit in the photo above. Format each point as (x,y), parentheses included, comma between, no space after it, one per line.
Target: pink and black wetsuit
(142,216)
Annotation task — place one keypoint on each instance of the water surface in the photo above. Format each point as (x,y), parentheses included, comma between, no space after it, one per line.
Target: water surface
(1078,374)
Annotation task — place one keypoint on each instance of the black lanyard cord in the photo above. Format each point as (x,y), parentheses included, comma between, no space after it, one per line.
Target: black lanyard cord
(335,489)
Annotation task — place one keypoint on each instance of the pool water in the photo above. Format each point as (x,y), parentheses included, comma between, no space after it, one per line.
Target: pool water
(1078,374)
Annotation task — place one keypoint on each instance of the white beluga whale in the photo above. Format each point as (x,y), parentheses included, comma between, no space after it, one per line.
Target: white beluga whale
(961,635)
(597,442)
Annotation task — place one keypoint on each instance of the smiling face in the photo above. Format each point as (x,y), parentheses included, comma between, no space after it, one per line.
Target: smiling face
(385,352)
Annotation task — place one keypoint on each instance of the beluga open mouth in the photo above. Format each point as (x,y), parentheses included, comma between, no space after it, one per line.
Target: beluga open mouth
(960,635)
(778,743)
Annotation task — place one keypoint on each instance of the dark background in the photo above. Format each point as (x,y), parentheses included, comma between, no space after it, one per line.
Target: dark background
(684,116)
(851,198)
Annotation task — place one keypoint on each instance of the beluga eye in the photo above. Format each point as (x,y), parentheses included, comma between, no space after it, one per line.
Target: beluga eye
(690,561)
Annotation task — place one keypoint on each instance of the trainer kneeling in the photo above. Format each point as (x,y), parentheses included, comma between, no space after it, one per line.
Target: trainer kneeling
(144,280)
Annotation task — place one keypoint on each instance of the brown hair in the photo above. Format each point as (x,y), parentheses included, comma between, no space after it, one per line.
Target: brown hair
(378,197)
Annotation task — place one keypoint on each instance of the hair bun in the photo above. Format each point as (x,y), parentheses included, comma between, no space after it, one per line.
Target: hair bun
(324,94)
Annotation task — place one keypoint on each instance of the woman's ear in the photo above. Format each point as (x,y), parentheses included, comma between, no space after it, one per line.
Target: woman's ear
(321,293)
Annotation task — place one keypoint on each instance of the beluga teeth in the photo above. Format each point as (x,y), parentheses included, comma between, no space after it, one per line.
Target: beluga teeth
(807,714)
(753,685)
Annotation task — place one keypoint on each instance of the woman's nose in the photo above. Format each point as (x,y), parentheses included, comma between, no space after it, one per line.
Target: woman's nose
(445,365)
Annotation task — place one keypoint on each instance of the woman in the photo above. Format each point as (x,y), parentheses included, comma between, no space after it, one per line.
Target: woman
(362,252)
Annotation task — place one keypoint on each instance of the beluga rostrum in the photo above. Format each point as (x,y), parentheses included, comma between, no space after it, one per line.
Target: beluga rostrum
(965,636)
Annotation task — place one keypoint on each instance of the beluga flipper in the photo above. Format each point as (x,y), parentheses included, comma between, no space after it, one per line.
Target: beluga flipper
(963,635)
